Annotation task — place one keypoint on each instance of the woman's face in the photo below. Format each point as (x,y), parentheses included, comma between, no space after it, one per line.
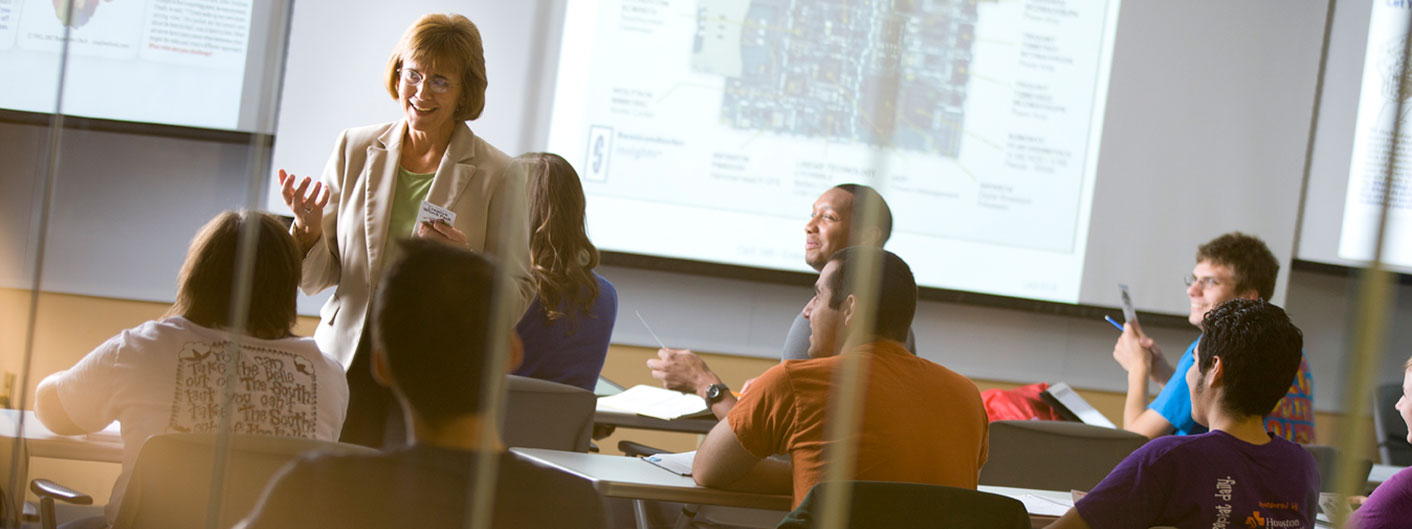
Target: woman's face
(429,97)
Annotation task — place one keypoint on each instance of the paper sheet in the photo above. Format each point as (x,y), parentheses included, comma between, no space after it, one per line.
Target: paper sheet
(654,402)
(1044,506)
(679,464)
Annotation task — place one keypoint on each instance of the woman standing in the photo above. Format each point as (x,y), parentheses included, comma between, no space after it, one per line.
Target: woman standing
(567,327)
(376,184)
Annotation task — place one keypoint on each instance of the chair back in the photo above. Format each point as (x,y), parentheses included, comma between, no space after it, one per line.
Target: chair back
(12,477)
(544,414)
(172,481)
(1393,447)
(1054,455)
(888,505)
(1329,461)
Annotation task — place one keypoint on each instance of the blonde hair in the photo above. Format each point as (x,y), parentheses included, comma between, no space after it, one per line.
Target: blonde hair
(444,41)
(206,287)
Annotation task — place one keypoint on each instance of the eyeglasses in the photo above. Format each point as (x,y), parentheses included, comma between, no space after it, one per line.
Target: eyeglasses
(437,84)
(1206,282)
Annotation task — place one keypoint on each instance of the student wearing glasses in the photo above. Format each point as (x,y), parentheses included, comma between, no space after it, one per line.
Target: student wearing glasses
(375,185)
(1234,265)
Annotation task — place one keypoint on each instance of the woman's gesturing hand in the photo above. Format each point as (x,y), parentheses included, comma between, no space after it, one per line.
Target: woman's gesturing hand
(307,202)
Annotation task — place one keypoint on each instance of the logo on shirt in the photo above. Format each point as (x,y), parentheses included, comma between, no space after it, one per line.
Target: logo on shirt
(1258,519)
(1254,520)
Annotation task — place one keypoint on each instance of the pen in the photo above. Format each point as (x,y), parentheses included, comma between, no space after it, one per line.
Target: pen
(649,329)
(1110,320)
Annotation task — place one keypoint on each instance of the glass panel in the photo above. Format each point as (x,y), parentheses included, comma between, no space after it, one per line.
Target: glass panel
(28,143)
(159,119)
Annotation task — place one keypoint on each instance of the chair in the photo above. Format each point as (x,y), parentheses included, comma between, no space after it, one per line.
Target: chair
(1329,460)
(890,505)
(1054,455)
(171,481)
(544,414)
(12,480)
(1393,447)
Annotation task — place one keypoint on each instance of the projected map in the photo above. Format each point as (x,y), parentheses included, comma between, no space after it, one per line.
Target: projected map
(705,129)
(866,72)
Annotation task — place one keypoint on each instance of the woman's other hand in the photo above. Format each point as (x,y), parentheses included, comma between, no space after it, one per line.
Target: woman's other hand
(307,202)
(440,230)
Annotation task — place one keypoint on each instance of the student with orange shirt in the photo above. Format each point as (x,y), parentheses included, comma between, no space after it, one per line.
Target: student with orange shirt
(921,422)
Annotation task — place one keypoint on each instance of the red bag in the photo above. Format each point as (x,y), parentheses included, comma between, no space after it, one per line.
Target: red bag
(1019,404)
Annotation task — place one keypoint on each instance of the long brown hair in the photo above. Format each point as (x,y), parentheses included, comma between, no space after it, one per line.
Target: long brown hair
(561,257)
(208,281)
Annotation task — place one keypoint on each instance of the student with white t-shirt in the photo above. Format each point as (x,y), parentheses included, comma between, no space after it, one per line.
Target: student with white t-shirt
(169,375)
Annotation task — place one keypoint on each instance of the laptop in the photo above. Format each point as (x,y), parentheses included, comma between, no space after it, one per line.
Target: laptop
(1073,407)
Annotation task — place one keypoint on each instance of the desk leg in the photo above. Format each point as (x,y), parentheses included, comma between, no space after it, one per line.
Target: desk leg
(639,513)
(688,514)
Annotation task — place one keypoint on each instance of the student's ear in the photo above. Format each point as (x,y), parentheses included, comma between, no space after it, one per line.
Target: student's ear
(1217,372)
(517,353)
(850,309)
(381,372)
(1250,294)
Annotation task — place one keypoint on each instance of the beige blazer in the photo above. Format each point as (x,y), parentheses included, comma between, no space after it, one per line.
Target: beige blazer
(361,176)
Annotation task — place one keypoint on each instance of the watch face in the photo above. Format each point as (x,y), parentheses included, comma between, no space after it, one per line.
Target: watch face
(713,392)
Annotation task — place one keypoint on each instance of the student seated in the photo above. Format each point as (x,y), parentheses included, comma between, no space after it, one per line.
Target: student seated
(1236,475)
(432,331)
(1390,505)
(568,325)
(1234,265)
(921,422)
(831,226)
(166,375)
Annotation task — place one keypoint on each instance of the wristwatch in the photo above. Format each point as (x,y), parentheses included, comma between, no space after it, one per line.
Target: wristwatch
(715,392)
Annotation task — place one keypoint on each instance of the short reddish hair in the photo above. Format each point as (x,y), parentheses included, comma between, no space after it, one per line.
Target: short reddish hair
(444,41)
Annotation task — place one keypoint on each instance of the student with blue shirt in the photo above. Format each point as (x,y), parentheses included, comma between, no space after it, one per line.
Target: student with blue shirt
(1238,474)
(1234,265)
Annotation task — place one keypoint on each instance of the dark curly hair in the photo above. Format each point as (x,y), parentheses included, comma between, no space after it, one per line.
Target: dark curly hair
(1260,349)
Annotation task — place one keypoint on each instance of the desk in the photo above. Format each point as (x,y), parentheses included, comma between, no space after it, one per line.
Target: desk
(105,446)
(1044,506)
(1381,473)
(633,478)
(642,422)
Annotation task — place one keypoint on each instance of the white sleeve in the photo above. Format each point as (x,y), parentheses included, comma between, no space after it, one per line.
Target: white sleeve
(87,390)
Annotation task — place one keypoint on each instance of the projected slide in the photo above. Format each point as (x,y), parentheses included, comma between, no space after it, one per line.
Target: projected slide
(179,62)
(1385,85)
(705,129)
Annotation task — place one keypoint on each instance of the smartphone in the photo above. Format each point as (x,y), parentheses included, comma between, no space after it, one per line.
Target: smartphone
(1129,314)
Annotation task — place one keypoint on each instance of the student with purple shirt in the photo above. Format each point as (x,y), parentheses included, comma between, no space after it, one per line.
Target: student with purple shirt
(1390,505)
(1237,474)
(567,326)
